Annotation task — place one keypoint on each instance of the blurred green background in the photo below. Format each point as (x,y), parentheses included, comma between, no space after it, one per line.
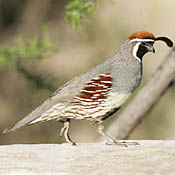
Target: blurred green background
(41,48)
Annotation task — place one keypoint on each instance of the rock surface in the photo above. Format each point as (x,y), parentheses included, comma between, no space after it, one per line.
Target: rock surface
(148,158)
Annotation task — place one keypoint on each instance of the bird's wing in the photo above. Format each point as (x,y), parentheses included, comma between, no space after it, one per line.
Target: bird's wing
(64,95)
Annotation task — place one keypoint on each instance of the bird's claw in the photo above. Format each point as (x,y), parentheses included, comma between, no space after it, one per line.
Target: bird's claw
(123,144)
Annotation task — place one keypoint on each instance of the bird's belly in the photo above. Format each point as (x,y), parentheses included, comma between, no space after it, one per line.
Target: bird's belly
(92,111)
(95,112)
(113,101)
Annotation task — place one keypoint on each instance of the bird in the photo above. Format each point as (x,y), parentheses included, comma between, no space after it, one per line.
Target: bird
(98,93)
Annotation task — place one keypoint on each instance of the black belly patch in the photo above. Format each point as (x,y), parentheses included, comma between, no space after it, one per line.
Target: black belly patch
(108,114)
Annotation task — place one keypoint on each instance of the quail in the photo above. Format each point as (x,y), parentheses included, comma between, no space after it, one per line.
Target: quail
(98,93)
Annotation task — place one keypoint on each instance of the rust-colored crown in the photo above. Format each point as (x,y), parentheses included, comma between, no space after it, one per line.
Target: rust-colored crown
(142,35)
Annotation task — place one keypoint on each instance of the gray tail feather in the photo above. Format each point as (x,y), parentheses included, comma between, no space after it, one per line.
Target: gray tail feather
(32,116)
(9,130)
(20,124)
(16,126)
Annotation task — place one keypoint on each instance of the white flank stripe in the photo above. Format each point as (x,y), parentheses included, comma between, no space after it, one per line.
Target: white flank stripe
(90,81)
(96,95)
(109,82)
(76,107)
(93,97)
(69,114)
(73,110)
(105,75)
(84,99)
(87,91)
(89,103)
(102,75)
(96,84)
(99,90)
(100,99)
(76,111)
(102,85)
(103,90)
(96,78)
(81,112)
(90,85)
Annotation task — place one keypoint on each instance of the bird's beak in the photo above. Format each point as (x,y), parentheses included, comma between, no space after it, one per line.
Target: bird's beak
(150,48)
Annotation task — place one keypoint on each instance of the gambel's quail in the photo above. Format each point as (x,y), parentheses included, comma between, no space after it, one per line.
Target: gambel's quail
(98,93)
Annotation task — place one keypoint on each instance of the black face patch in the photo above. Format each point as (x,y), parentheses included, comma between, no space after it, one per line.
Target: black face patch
(150,43)
(143,49)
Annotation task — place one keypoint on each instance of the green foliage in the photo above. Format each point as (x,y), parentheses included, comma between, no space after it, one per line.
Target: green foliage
(23,51)
(77,10)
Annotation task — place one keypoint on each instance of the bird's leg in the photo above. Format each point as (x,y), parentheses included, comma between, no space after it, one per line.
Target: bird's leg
(63,128)
(100,130)
(65,131)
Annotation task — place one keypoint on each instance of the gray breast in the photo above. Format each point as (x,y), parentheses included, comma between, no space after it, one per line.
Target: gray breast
(127,77)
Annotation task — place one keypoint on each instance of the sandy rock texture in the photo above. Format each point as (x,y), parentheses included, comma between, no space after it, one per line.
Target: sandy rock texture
(148,158)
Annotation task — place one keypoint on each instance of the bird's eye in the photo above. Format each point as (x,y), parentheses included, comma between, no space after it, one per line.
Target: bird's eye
(143,43)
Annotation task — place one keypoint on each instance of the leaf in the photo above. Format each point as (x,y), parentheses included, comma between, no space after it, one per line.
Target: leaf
(76,10)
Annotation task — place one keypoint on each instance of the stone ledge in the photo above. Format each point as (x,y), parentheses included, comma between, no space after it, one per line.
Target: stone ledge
(149,158)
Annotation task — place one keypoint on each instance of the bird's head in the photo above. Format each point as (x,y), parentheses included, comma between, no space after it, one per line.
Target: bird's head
(142,43)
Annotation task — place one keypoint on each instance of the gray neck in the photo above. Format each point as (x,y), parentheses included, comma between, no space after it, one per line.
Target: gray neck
(127,70)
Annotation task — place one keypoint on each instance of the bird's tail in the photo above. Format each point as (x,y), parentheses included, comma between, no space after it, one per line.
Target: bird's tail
(19,124)
(9,129)
(32,116)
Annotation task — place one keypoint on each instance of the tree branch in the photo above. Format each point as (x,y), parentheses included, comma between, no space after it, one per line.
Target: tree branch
(143,103)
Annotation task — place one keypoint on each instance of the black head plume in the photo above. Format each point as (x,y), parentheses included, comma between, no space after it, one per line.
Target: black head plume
(166,40)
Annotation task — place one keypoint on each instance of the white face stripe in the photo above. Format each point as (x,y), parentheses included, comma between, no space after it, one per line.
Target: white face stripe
(135,49)
(141,40)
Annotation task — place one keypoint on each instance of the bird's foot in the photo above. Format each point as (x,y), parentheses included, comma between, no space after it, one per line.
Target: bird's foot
(123,143)
(73,144)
